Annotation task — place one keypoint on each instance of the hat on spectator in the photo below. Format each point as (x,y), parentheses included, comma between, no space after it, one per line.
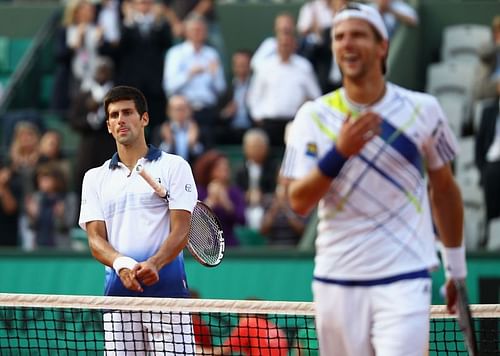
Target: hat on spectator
(363,12)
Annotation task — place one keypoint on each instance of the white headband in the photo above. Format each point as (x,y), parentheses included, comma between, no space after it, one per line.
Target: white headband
(363,12)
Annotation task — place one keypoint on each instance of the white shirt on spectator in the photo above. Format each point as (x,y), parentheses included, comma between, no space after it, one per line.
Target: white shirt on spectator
(401,8)
(267,48)
(314,11)
(278,89)
(201,90)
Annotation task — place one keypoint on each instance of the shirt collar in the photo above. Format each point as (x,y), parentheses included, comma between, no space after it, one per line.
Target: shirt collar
(152,155)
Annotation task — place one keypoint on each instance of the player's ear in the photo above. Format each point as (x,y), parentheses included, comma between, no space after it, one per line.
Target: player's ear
(145,119)
(384,49)
(107,125)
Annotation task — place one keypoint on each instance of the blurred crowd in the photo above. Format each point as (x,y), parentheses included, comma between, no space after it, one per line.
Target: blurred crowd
(199,98)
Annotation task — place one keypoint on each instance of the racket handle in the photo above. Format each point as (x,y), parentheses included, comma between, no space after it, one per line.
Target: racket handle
(157,187)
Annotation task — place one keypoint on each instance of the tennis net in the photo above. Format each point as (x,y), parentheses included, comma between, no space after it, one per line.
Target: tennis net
(73,325)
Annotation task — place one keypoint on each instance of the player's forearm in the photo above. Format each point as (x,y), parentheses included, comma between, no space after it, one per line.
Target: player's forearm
(171,248)
(102,250)
(304,194)
(448,214)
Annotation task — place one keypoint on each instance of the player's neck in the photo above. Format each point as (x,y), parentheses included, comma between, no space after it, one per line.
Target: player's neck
(129,155)
(365,92)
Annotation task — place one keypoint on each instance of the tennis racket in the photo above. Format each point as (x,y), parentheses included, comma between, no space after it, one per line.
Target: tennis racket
(205,237)
(465,321)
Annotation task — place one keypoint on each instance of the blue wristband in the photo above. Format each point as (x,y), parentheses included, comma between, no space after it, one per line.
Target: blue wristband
(331,163)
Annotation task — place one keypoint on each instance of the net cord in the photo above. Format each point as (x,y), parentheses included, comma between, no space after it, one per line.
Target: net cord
(199,305)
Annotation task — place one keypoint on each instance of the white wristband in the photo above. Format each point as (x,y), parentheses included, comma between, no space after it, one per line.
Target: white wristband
(123,262)
(454,262)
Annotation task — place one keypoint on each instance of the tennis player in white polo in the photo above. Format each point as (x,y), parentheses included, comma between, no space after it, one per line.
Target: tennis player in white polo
(135,234)
(367,154)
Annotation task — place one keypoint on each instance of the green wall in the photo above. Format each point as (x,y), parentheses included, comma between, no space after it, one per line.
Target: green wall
(270,275)
(283,275)
(247,25)
(20,20)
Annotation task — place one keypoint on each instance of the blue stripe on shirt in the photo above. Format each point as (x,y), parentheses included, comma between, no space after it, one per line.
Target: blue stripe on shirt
(402,143)
(375,282)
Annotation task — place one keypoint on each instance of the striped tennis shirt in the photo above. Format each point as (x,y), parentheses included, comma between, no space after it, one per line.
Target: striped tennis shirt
(375,221)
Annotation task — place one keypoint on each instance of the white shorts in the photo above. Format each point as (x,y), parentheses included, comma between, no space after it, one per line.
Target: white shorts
(148,333)
(386,320)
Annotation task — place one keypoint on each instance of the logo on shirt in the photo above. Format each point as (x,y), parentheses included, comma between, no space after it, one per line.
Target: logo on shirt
(311,149)
(188,188)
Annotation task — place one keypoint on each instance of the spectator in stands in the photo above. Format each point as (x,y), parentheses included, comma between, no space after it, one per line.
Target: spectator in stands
(83,38)
(10,206)
(193,69)
(24,154)
(280,224)
(284,23)
(51,209)
(234,116)
(51,151)
(180,134)
(486,85)
(177,11)
(487,155)
(109,19)
(314,31)
(314,18)
(139,55)
(279,87)
(76,35)
(396,12)
(257,174)
(213,180)
(88,119)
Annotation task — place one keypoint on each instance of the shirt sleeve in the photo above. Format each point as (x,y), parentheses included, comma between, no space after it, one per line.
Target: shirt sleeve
(441,146)
(301,154)
(90,208)
(181,187)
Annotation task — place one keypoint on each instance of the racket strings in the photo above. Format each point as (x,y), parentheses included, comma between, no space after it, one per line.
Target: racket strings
(204,240)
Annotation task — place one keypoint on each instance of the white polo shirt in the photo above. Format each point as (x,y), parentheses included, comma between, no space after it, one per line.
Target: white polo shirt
(375,220)
(278,88)
(137,219)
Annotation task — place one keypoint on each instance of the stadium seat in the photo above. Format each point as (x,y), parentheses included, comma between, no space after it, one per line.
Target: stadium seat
(494,235)
(4,54)
(461,42)
(18,48)
(474,226)
(467,176)
(79,240)
(451,83)
(4,80)
(464,163)
(46,84)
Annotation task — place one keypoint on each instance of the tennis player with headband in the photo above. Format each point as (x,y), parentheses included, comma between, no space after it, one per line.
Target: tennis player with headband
(367,153)
(133,232)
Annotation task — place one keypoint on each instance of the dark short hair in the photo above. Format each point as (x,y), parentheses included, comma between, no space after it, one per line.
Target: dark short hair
(244,51)
(123,92)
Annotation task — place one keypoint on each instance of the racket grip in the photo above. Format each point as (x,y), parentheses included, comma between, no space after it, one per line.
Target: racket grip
(157,187)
